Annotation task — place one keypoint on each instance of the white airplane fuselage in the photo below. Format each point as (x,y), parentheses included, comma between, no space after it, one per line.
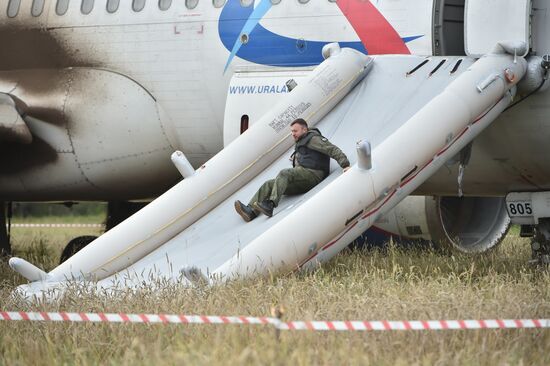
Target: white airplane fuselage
(108,95)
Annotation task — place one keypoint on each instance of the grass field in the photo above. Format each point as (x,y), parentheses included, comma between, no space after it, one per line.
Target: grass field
(397,284)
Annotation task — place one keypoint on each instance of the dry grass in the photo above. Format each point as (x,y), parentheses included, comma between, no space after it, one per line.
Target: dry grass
(399,284)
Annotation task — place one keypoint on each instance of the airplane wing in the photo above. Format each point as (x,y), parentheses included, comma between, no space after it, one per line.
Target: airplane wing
(12,126)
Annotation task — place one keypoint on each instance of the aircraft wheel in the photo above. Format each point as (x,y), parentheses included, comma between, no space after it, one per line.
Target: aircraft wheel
(540,245)
(75,245)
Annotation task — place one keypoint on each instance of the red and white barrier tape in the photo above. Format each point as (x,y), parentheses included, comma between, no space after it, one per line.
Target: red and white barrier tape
(57,225)
(281,325)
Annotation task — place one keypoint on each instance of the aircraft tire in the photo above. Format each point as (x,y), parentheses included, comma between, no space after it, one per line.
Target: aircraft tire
(75,245)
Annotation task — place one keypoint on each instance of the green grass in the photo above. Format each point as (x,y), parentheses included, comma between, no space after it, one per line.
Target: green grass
(89,219)
(373,285)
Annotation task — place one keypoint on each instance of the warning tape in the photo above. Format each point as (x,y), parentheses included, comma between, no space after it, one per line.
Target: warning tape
(58,225)
(384,325)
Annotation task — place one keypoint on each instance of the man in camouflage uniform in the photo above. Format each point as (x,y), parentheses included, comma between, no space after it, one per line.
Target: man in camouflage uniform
(311,164)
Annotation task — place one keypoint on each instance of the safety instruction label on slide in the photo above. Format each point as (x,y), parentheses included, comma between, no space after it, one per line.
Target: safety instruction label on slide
(288,115)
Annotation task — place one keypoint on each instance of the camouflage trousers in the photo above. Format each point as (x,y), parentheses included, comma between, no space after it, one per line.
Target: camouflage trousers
(289,181)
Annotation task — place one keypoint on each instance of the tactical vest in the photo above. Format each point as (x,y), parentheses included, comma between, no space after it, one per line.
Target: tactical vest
(309,158)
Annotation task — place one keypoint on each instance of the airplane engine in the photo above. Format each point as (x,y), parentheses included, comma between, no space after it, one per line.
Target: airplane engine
(468,224)
(96,135)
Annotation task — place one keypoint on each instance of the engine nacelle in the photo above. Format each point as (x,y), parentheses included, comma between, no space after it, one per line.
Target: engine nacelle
(97,135)
(468,224)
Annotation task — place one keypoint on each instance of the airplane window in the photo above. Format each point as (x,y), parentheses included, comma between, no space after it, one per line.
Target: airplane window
(13,8)
(246,3)
(165,4)
(138,5)
(275,2)
(218,3)
(303,1)
(112,5)
(37,8)
(87,6)
(61,7)
(191,4)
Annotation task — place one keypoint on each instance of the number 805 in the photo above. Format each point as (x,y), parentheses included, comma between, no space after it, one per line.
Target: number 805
(520,208)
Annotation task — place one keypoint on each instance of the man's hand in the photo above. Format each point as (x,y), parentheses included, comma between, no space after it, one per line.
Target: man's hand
(346,169)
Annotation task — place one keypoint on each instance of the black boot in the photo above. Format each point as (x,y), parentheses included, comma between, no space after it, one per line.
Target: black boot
(265,207)
(246,212)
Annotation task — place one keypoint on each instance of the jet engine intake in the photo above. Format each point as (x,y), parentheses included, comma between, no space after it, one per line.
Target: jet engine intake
(468,224)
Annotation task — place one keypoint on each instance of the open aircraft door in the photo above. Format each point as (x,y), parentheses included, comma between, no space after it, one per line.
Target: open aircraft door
(490,21)
(251,93)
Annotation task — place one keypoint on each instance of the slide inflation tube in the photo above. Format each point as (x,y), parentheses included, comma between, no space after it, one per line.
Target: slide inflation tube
(221,176)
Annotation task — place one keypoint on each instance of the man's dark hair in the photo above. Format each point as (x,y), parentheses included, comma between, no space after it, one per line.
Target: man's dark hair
(299,121)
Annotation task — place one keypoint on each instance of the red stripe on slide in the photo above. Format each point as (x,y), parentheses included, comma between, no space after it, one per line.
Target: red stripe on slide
(376,33)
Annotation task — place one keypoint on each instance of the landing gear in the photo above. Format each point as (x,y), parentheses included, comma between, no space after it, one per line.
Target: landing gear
(117,211)
(532,212)
(540,244)
(5,215)
(75,245)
